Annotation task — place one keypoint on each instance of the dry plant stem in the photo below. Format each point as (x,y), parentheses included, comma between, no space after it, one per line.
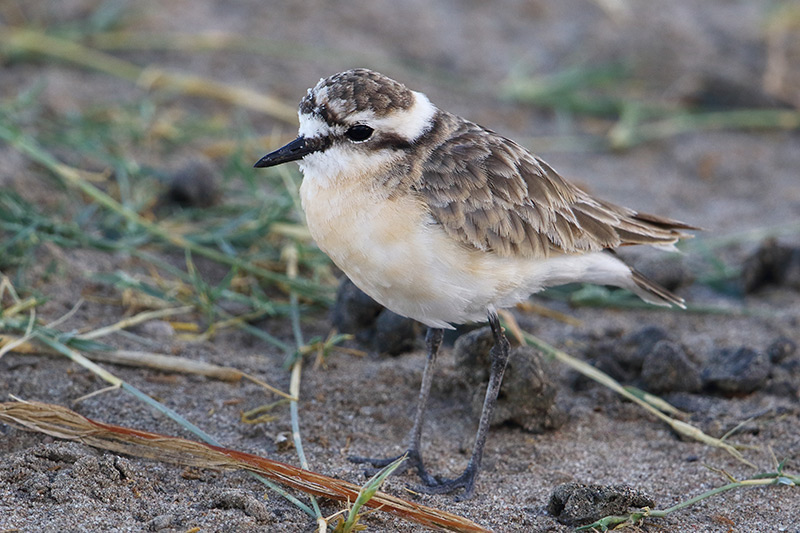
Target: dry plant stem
(290,255)
(61,348)
(591,372)
(617,522)
(9,343)
(32,41)
(627,134)
(73,178)
(99,371)
(167,363)
(135,320)
(171,363)
(63,423)
(656,402)
(541,310)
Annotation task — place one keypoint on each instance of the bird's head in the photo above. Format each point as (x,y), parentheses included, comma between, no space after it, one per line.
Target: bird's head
(354,123)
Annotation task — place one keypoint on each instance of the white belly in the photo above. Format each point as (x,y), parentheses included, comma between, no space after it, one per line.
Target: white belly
(393,251)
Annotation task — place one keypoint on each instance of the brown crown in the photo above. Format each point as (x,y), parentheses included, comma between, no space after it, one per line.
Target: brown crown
(356,90)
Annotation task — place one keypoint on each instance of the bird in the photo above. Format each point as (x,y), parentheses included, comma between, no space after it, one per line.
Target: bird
(444,221)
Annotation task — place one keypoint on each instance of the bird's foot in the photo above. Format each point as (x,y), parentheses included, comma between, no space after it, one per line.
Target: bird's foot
(430,484)
(413,461)
(465,481)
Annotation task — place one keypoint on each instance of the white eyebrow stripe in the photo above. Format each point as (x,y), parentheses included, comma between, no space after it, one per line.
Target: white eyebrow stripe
(410,124)
(407,123)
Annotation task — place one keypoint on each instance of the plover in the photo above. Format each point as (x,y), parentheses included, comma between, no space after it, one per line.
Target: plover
(444,221)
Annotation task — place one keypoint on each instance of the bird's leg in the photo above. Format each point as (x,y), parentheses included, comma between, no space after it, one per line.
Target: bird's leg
(499,359)
(433,340)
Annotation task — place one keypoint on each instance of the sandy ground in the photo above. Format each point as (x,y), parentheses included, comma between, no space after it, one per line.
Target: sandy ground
(726,182)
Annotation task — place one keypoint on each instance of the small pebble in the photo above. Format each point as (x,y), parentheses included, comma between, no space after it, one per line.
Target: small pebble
(781,349)
(576,504)
(194,185)
(160,522)
(159,330)
(283,443)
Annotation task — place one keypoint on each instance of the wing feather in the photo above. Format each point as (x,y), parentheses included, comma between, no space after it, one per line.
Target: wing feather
(490,193)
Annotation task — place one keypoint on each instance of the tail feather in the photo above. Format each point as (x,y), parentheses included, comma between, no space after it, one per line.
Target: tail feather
(652,292)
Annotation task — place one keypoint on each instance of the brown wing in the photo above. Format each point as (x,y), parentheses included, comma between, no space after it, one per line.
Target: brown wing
(490,193)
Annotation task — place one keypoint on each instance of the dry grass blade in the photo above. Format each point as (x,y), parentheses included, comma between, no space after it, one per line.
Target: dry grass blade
(170,363)
(152,77)
(63,423)
(530,307)
(135,320)
(166,363)
(32,41)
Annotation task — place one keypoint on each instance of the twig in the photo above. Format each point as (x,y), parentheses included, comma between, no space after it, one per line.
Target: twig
(63,423)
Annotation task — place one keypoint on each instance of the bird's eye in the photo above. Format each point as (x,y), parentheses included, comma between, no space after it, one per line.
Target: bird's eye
(359,132)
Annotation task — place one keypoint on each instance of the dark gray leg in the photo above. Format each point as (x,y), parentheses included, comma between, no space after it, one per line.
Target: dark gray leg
(433,340)
(499,358)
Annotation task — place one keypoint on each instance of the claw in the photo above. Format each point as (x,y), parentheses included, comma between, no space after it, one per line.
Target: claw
(413,461)
(465,481)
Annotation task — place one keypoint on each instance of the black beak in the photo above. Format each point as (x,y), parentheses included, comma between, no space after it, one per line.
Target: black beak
(297,149)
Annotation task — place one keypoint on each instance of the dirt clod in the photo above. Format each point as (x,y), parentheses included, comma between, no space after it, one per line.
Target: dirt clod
(668,368)
(527,395)
(354,311)
(395,334)
(623,358)
(237,499)
(781,349)
(771,264)
(575,504)
(784,379)
(736,370)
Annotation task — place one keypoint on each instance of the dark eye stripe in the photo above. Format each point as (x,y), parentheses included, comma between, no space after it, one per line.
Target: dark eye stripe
(393,141)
